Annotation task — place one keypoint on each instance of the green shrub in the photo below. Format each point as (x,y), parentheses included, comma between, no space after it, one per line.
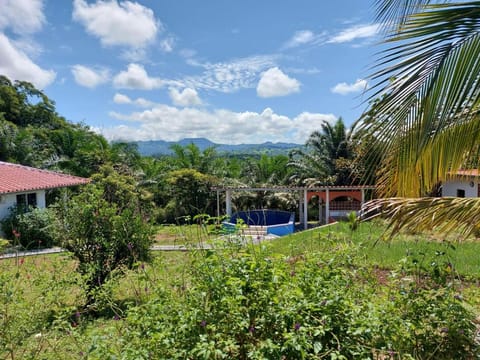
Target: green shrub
(34,297)
(254,305)
(3,244)
(423,315)
(106,227)
(30,229)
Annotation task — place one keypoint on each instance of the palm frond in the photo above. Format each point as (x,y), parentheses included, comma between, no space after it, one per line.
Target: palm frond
(432,101)
(445,215)
(393,13)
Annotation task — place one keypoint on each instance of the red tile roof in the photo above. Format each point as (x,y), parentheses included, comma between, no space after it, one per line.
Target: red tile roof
(18,178)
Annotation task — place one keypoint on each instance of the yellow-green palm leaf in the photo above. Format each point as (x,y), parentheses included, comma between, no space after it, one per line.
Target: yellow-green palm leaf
(445,215)
(425,112)
(429,98)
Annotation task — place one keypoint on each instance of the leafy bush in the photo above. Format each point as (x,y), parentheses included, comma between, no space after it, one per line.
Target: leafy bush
(424,316)
(35,296)
(4,244)
(31,229)
(426,323)
(254,305)
(106,227)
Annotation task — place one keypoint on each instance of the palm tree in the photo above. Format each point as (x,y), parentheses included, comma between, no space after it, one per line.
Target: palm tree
(426,114)
(191,157)
(326,151)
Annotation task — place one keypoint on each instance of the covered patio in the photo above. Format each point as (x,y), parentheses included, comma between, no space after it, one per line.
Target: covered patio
(336,200)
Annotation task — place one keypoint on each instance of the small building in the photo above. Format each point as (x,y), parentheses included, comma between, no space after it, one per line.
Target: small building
(463,183)
(23,185)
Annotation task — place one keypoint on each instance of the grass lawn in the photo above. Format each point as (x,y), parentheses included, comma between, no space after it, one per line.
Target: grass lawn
(376,250)
(184,234)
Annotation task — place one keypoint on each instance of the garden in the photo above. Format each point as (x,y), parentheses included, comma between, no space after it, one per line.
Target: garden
(331,292)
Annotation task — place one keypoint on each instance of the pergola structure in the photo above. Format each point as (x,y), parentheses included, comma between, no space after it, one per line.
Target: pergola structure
(326,193)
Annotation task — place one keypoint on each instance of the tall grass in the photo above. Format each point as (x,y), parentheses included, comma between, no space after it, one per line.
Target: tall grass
(380,251)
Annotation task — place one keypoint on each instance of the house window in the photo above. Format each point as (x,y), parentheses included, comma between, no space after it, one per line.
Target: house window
(27,200)
(460,193)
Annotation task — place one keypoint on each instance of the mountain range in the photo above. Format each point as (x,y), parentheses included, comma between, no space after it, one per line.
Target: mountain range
(161,147)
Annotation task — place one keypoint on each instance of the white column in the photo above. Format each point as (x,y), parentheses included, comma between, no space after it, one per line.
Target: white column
(305,209)
(360,212)
(228,201)
(319,210)
(300,209)
(327,206)
(218,204)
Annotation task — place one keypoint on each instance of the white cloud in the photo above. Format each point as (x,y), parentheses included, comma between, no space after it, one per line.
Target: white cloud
(16,65)
(221,126)
(124,99)
(355,32)
(224,77)
(167,44)
(89,77)
(187,97)
(27,45)
(22,16)
(301,37)
(187,53)
(230,76)
(122,23)
(274,82)
(135,77)
(121,99)
(134,54)
(307,123)
(304,37)
(344,88)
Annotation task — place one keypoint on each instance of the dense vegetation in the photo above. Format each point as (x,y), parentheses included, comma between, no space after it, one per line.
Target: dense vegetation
(289,299)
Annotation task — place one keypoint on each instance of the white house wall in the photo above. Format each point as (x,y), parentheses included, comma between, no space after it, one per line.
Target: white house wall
(450,188)
(9,200)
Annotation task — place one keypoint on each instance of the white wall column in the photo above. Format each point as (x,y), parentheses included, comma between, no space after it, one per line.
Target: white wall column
(300,208)
(327,206)
(319,210)
(228,201)
(305,209)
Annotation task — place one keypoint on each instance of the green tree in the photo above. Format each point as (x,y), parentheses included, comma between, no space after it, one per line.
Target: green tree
(191,157)
(327,157)
(125,155)
(106,227)
(22,104)
(191,193)
(266,170)
(426,120)
(8,134)
(32,133)
(78,150)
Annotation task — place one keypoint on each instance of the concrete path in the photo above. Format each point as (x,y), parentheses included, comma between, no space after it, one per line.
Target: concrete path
(57,250)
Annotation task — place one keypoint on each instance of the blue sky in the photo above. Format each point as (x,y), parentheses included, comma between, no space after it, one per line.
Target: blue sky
(232,71)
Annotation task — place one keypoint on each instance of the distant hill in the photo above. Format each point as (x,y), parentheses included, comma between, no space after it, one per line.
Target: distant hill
(161,147)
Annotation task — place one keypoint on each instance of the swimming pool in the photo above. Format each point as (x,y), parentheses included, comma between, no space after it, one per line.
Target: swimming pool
(275,222)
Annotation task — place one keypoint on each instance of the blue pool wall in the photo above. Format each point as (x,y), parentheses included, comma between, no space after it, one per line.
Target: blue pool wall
(277,222)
